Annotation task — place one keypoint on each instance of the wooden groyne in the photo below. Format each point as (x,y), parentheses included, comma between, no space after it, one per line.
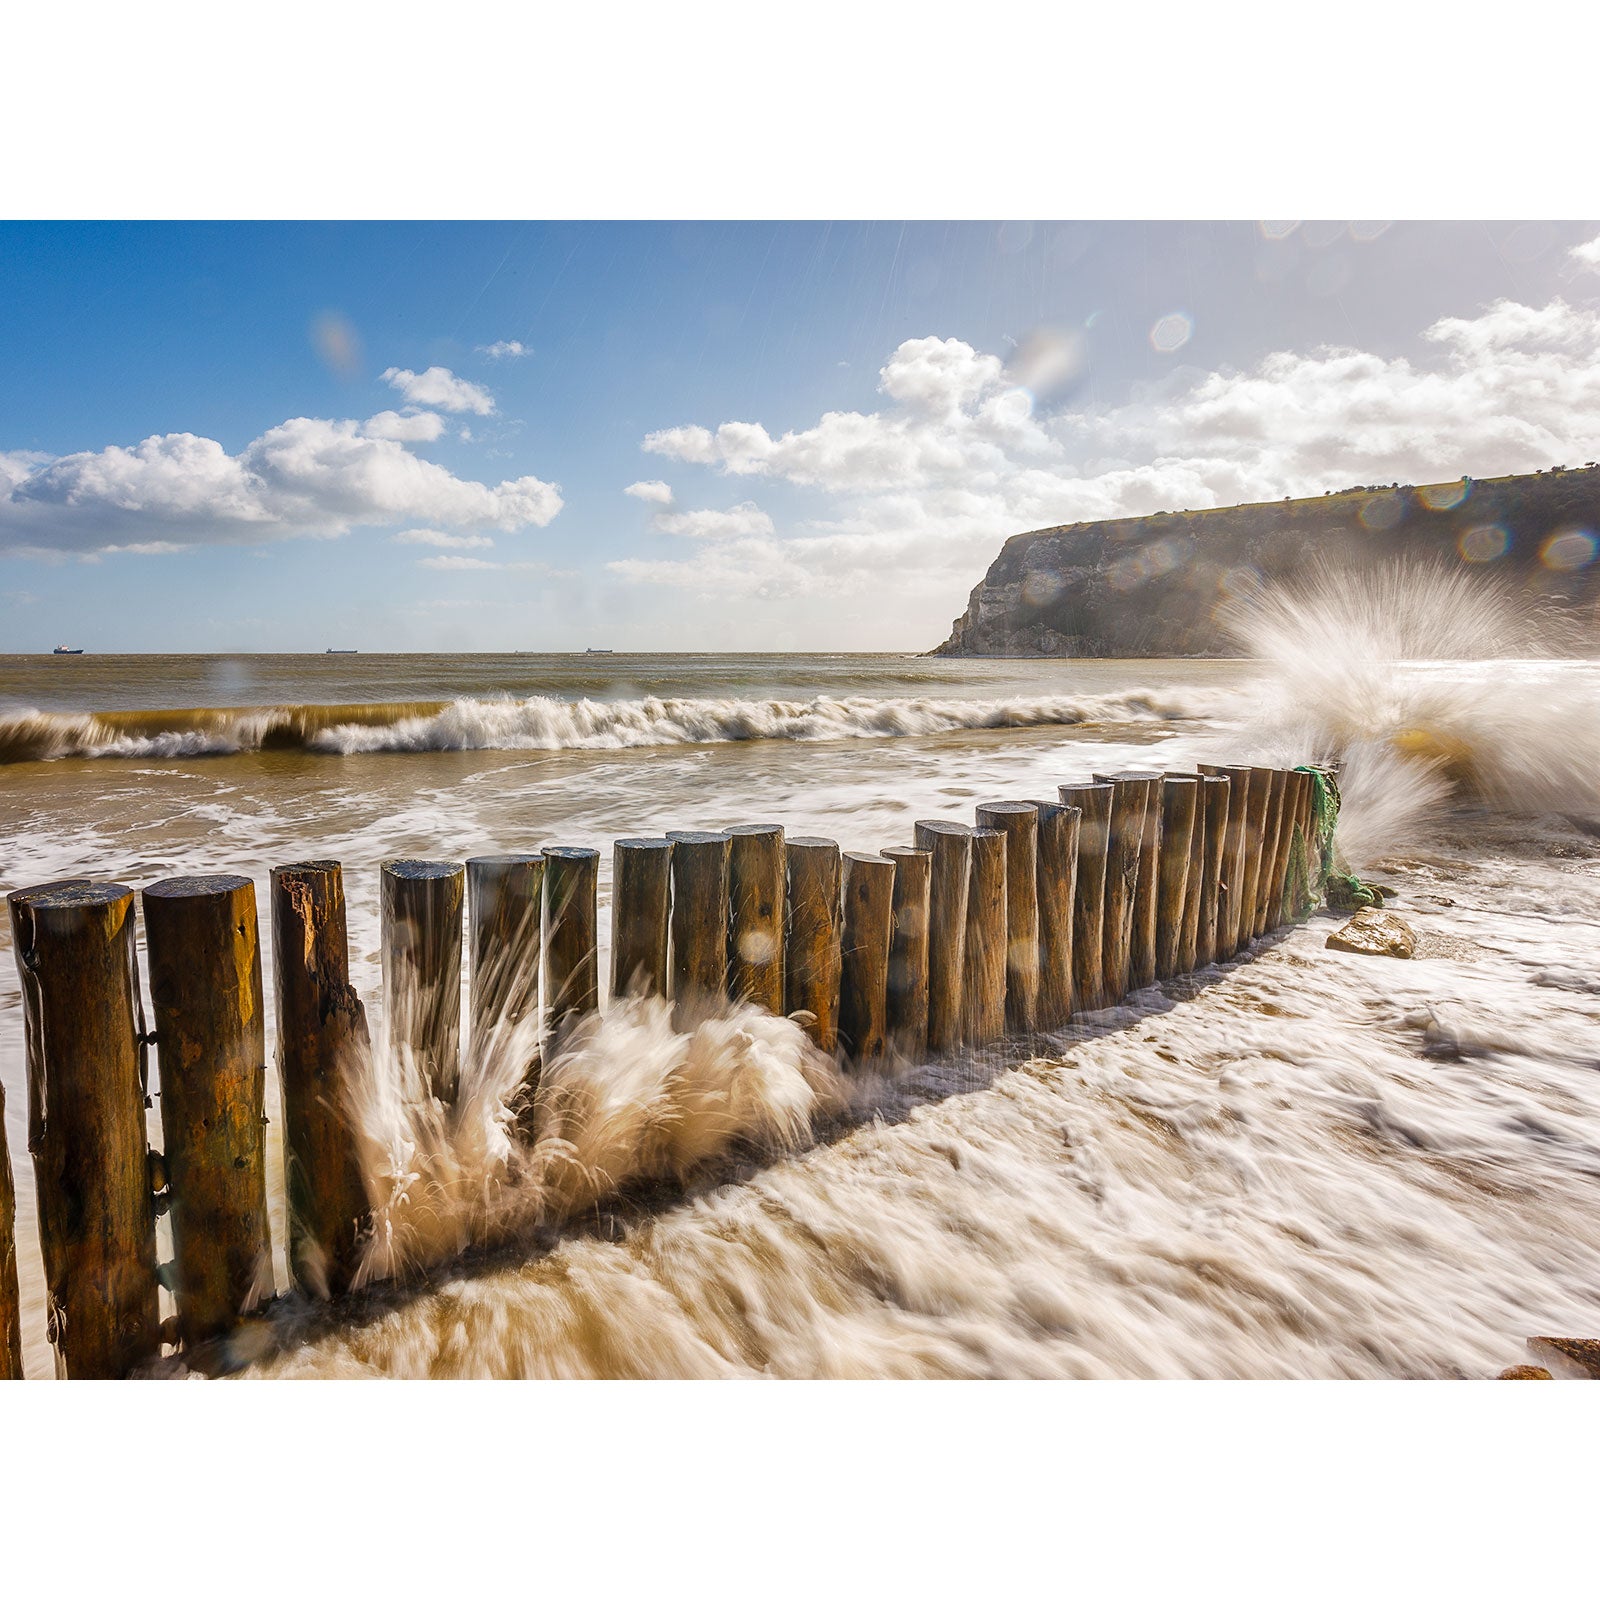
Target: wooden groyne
(1039,911)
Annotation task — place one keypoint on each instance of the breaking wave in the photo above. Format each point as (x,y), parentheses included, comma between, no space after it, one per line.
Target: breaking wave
(541,722)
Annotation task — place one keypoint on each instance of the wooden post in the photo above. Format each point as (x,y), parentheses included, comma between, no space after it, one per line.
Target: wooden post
(322,1040)
(1258,792)
(1193,876)
(10,1294)
(422,968)
(1057,886)
(1215,791)
(950,869)
(571,935)
(1273,917)
(908,952)
(1270,886)
(1146,893)
(699,926)
(503,897)
(1179,795)
(641,900)
(811,978)
(1294,888)
(1093,802)
(1018,821)
(74,948)
(984,985)
(755,915)
(205,981)
(864,957)
(1124,845)
(1230,885)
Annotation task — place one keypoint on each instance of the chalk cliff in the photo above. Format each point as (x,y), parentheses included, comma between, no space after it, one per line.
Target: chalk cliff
(1152,586)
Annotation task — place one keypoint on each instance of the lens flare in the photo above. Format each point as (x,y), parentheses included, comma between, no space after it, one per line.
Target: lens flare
(1277,230)
(1444,496)
(1171,333)
(1568,550)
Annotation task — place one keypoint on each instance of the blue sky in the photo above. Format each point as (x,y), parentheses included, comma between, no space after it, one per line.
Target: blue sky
(231,436)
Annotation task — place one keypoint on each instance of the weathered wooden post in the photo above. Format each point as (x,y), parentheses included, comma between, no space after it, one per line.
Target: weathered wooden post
(755,915)
(571,935)
(864,957)
(1215,791)
(950,844)
(322,1045)
(1142,946)
(908,951)
(1093,802)
(699,926)
(1280,856)
(1018,821)
(1057,887)
(811,978)
(641,900)
(10,1293)
(984,984)
(1194,873)
(1124,846)
(1179,795)
(1268,886)
(205,982)
(1294,885)
(1258,792)
(74,949)
(1230,886)
(421,908)
(503,898)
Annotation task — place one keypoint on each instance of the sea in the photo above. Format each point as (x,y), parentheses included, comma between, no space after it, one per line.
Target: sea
(1300,1163)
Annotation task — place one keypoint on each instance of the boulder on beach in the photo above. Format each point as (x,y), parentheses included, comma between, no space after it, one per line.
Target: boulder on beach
(1525,1371)
(1375,933)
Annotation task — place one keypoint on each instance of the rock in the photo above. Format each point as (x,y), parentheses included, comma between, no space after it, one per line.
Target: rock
(1375,933)
(1568,1358)
(1524,1372)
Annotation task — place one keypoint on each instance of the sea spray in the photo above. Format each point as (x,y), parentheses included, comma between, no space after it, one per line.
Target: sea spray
(1425,686)
(621,1100)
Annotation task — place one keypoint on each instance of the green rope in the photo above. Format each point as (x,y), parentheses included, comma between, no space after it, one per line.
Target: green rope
(1324,871)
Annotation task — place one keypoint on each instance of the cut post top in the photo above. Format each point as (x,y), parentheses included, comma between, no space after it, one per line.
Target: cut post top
(420,871)
(660,843)
(66,894)
(809,842)
(570,852)
(33,890)
(691,836)
(491,863)
(210,886)
(754,830)
(958,828)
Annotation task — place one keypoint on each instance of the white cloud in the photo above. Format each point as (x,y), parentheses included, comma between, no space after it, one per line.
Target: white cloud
(652,489)
(504,350)
(458,564)
(1587,254)
(307,477)
(744,519)
(918,495)
(416,427)
(444,541)
(440,387)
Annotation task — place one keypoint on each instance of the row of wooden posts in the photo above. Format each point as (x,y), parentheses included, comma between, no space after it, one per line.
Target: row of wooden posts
(1042,910)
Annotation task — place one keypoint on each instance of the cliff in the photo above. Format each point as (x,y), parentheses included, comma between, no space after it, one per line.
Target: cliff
(1151,586)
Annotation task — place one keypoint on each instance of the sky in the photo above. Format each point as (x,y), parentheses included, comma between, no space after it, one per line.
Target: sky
(240,437)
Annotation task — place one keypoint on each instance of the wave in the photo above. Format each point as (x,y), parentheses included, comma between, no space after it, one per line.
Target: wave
(541,722)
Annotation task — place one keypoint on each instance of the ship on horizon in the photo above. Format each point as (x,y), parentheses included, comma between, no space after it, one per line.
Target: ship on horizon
(67,650)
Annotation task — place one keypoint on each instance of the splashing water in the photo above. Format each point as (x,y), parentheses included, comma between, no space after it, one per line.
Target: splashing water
(1425,686)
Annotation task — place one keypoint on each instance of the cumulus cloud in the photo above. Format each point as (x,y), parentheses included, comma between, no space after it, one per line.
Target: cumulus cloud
(440,387)
(652,489)
(923,489)
(307,477)
(745,518)
(444,541)
(458,564)
(1587,254)
(416,427)
(504,350)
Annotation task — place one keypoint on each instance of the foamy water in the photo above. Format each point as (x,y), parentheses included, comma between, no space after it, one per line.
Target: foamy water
(1308,1163)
